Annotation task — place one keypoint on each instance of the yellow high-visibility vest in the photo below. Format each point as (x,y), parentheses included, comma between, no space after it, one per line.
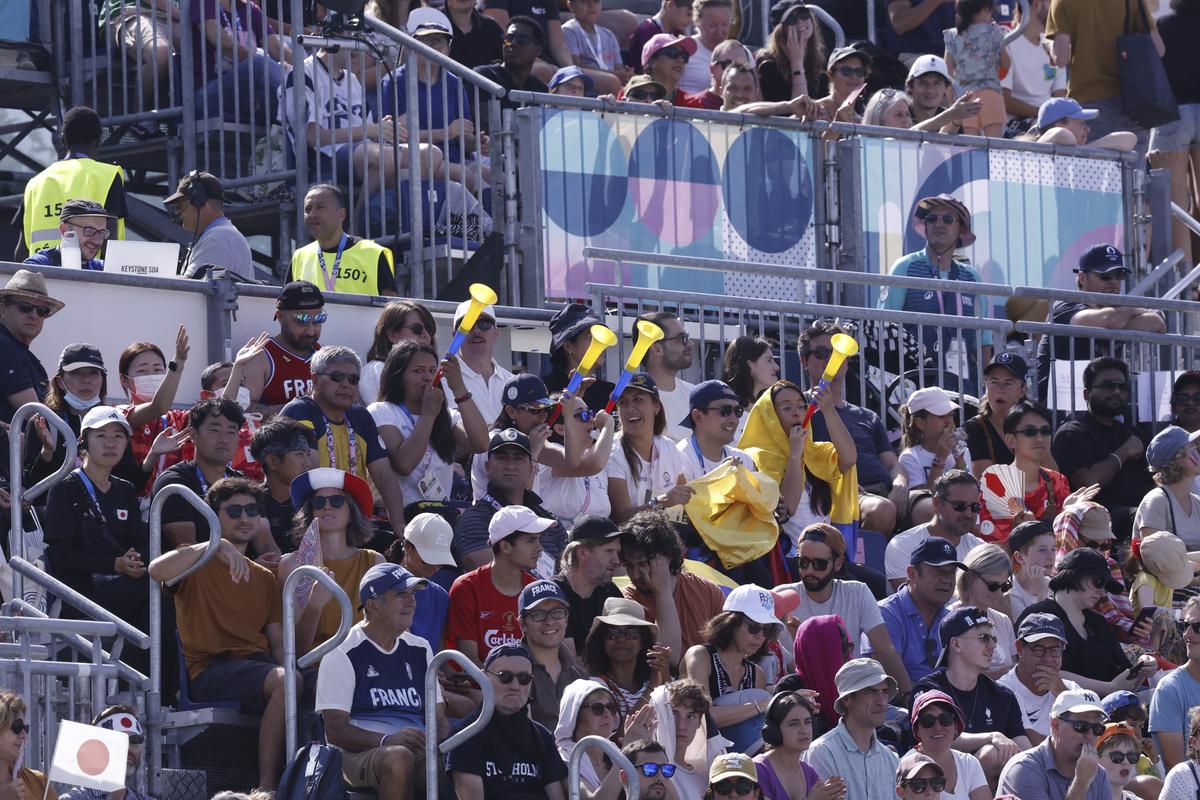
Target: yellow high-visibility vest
(69,179)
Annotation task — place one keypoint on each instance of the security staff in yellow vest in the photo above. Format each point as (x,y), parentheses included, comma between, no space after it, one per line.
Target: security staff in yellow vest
(76,177)
(337,262)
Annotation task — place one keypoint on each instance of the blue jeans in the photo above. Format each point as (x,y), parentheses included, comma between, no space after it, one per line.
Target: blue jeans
(1112,118)
(248,81)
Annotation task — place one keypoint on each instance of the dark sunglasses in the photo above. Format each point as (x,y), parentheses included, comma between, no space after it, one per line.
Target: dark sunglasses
(304,319)
(18,727)
(673,53)
(235,512)
(1112,275)
(1107,546)
(1194,627)
(1118,757)
(1186,398)
(137,738)
(960,506)
(417,329)
(337,376)
(484,324)
(945,719)
(922,785)
(522,678)
(650,770)
(599,708)
(1094,728)
(993,587)
(743,787)
(1100,581)
(518,39)
(334,501)
(851,72)
(1033,430)
(726,411)
(542,410)
(639,96)
(1112,386)
(612,634)
(946,218)
(819,564)
(755,628)
(29,308)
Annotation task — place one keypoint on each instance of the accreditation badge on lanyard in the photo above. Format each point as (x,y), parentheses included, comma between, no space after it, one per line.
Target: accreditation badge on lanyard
(955,351)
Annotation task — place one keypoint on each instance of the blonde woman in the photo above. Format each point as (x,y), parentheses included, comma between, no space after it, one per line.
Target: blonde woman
(983,584)
(23,783)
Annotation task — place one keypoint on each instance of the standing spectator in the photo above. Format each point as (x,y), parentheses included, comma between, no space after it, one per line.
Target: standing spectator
(1102,270)
(347,437)
(484,377)
(368,269)
(1084,36)
(673,17)
(915,27)
(25,305)
(286,450)
(1098,447)
(664,58)
(594,48)
(792,62)
(475,39)
(483,602)
(1177,694)
(938,725)
(1036,680)
(89,221)
(1031,79)
(76,177)
(852,749)
(230,620)
(523,41)
(1173,505)
(714,20)
(278,371)
(1066,765)
(848,68)
(371,688)
(945,224)
(399,320)
(664,362)
(198,206)
(591,558)
(956,506)
(1004,383)
(645,470)
(513,757)
(975,56)
(1031,547)
(542,609)
(240,61)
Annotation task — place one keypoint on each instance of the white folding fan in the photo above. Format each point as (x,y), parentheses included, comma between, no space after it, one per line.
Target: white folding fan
(1003,490)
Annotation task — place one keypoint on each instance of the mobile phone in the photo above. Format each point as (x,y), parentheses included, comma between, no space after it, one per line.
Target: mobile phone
(1145,614)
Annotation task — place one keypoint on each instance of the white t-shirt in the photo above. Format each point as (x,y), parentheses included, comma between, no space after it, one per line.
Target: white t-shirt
(433,478)
(368,382)
(654,477)
(332,103)
(696,73)
(568,498)
(1159,509)
(918,464)
(851,600)
(1019,599)
(676,405)
(970,776)
(1035,709)
(800,519)
(485,392)
(902,545)
(1031,78)
(692,457)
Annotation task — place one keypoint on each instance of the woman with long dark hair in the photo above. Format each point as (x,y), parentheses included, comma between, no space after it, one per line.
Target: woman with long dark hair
(645,470)
(793,60)
(750,369)
(621,651)
(399,321)
(1004,383)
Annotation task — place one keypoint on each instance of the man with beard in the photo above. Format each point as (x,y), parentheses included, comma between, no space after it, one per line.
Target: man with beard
(278,371)
(591,558)
(1096,447)
(652,780)
(1066,764)
(122,719)
(822,552)
(664,361)
(955,514)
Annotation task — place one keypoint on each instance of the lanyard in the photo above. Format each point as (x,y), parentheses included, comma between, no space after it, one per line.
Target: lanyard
(423,466)
(91,490)
(351,445)
(200,478)
(331,280)
(587,494)
(700,455)
(650,470)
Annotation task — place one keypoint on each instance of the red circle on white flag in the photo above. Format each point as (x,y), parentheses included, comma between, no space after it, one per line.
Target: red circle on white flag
(93,757)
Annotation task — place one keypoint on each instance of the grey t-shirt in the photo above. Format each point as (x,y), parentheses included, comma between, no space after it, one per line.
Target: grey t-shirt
(221,245)
(1161,511)
(851,600)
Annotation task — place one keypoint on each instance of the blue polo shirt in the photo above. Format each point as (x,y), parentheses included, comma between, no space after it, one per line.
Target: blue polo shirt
(1033,775)
(918,646)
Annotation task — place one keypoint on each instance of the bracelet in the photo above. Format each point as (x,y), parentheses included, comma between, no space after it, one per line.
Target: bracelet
(1120,463)
(460,400)
(938,463)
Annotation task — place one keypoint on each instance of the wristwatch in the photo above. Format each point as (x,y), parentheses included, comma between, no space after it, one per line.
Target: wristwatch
(654,504)
(171,365)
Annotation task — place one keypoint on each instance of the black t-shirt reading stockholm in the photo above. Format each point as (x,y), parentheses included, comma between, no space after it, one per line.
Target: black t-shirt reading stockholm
(987,708)
(515,756)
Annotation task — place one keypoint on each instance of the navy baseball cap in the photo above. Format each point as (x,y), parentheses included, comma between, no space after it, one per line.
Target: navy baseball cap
(705,393)
(957,623)
(1101,258)
(526,390)
(506,650)
(1039,626)
(510,437)
(1112,703)
(1013,362)
(385,577)
(936,552)
(537,593)
(594,528)
(643,383)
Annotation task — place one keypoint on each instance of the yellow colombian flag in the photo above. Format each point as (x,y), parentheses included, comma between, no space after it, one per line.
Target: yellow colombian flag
(733,510)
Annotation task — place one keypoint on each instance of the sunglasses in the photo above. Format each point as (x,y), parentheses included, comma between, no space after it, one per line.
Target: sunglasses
(484,324)
(137,738)
(557,614)
(993,587)
(673,53)
(725,411)
(1100,581)
(1094,728)
(742,787)
(518,39)
(755,628)
(417,329)
(18,727)
(922,785)
(639,96)
(1112,386)
(29,308)
(235,512)
(1118,757)
(629,634)
(337,376)
(599,709)
(522,678)
(945,719)
(1112,275)
(960,506)
(819,564)
(304,319)
(1032,431)
(650,770)
(542,410)
(1041,650)
(1194,627)
(1107,546)
(1186,398)
(852,72)
(334,501)
(946,218)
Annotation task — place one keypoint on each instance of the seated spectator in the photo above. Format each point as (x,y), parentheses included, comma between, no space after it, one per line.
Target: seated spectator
(594,49)
(664,58)
(729,53)
(276,370)
(956,507)
(1004,383)
(889,108)
(654,770)
(932,444)
(847,69)
(622,651)
(475,37)
(1125,708)
(1160,567)
(732,774)
(524,40)
(1182,780)
(78,385)
(89,221)
(930,90)
(371,687)
(542,609)
(1093,658)
(914,27)
(727,663)
(286,450)
(787,734)
(714,22)
(1031,548)
(635,483)
(938,725)
(1027,433)
(1063,121)
(570,337)
(644,89)
(230,620)
(750,369)
(426,545)
(680,602)
(1173,506)
(1119,749)
(483,602)
(988,575)
(917,775)
(483,375)
(340,504)
(1065,763)
(916,611)
(591,558)
(822,646)
(198,206)
(677,716)
(1185,401)
(1100,446)
(124,719)
(713,418)
(566,492)
(423,438)
(214,382)
(509,470)
(513,757)
(347,437)
(588,709)
(791,63)
(673,17)
(1101,270)
(1031,79)
(368,269)
(240,61)
(852,750)
(18,781)
(995,730)
(571,82)
(158,429)
(399,320)
(1177,693)
(1036,680)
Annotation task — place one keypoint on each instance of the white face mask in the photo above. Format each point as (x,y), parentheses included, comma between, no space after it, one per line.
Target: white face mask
(79,404)
(145,386)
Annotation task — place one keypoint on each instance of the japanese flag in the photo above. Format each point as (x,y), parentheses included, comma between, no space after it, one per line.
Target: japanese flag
(89,756)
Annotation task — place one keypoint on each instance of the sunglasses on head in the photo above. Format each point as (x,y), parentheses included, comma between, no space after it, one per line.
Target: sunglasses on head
(650,770)
(235,512)
(600,708)
(1094,728)
(946,218)
(993,587)
(18,727)
(337,376)
(1118,757)
(922,785)
(506,677)
(29,308)
(725,411)
(945,719)
(851,72)
(1033,430)
(334,500)
(742,787)
(304,319)
(819,564)
(961,506)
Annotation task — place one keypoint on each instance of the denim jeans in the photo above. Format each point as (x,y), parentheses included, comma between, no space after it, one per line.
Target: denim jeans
(254,82)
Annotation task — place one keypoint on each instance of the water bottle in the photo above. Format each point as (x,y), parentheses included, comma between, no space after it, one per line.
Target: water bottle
(69,248)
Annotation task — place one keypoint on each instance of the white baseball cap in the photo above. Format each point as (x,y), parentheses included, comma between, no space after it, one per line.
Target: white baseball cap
(430,534)
(515,519)
(925,64)
(99,416)
(1077,701)
(754,601)
(933,399)
(465,305)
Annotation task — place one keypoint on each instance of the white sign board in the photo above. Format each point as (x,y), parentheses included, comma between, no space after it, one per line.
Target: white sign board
(154,259)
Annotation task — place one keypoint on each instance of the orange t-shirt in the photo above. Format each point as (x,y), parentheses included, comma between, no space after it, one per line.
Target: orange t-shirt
(697,600)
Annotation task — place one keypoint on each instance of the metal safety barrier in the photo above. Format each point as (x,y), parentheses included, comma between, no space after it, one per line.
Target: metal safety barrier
(290,662)
(432,747)
(619,761)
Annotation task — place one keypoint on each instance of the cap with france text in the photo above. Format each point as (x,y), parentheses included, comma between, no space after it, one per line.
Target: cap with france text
(936,552)
(537,593)
(382,578)
(299,295)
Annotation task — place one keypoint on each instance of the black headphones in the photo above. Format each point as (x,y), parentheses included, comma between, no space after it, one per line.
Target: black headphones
(770,730)
(196,192)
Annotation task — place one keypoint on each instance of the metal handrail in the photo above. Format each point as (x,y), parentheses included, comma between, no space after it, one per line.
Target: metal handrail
(192,499)
(1083,331)
(839,34)
(1020,29)
(445,62)
(432,748)
(16,471)
(785,271)
(1187,219)
(1102,299)
(1184,282)
(81,645)
(1155,275)
(81,627)
(79,601)
(574,784)
(290,663)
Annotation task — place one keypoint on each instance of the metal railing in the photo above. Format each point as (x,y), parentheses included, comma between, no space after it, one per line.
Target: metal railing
(290,662)
(619,761)
(432,747)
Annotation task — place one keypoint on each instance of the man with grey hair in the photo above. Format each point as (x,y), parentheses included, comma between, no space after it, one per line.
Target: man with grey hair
(347,438)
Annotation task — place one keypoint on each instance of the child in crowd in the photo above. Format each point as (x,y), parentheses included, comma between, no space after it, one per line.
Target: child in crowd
(931,444)
(975,56)
(592,45)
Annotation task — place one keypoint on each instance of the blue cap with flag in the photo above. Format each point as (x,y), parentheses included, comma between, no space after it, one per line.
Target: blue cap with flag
(385,577)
